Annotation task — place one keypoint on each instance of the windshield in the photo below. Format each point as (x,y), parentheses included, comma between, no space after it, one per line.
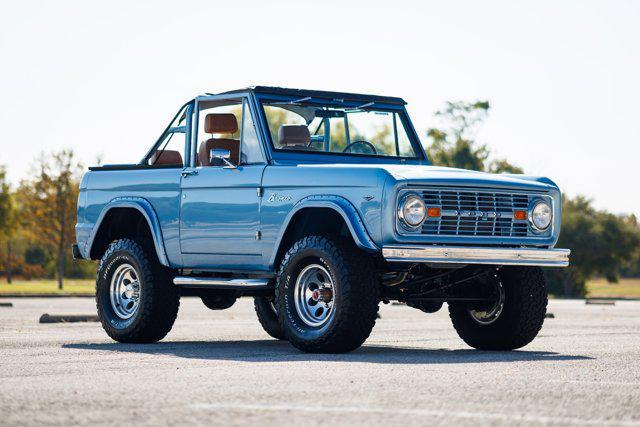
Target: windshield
(311,126)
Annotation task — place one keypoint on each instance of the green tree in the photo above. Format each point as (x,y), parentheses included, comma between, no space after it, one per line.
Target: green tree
(8,222)
(632,267)
(601,244)
(49,205)
(453,144)
(503,166)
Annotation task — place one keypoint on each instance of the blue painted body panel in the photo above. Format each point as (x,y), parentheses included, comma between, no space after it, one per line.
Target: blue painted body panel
(333,186)
(156,189)
(209,220)
(219,218)
(426,176)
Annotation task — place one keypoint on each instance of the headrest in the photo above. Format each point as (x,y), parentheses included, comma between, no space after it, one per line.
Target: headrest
(220,123)
(166,157)
(293,135)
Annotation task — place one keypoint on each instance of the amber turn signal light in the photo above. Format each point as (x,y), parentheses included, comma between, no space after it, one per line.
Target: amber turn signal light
(520,215)
(433,212)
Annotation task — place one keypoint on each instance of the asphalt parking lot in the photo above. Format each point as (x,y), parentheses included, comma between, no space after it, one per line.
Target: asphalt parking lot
(221,368)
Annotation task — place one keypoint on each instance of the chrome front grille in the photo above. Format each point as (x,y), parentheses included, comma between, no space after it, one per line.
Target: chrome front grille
(476,213)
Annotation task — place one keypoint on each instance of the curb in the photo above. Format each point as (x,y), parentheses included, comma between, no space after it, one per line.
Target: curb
(599,301)
(67,318)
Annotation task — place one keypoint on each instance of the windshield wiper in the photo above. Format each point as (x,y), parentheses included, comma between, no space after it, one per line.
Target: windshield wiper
(294,102)
(360,107)
(368,104)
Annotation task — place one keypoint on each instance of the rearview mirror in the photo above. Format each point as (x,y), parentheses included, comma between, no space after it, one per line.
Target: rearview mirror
(221,155)
(330,114)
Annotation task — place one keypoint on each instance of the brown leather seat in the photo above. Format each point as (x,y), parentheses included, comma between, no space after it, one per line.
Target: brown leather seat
(294,137)
(166,157)
(215,124)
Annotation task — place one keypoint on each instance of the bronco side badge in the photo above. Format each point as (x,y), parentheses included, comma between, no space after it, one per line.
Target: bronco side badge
(273,197)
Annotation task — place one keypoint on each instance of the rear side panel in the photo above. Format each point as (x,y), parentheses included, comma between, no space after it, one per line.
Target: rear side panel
(160,187)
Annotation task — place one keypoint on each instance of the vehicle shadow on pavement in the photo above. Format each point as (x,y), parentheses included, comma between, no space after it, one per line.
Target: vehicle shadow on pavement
(262,351)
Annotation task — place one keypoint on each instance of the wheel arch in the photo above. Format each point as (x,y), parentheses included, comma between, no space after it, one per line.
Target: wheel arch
(335,211)
(138,213)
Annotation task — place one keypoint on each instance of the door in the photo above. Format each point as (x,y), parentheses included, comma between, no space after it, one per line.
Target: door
(220,200)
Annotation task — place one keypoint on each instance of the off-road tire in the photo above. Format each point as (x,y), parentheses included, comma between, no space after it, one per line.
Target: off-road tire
(159,298)
(268,318)
(525,305)
(356,295)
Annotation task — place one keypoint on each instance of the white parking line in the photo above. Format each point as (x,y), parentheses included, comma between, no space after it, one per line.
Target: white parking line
(412,412)
(596,382)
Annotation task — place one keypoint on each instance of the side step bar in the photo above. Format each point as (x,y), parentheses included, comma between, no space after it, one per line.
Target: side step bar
(221,283)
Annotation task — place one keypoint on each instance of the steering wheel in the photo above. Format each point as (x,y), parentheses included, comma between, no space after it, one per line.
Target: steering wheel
(367,144)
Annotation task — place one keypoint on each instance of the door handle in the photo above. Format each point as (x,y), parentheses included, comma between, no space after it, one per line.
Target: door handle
(188,172)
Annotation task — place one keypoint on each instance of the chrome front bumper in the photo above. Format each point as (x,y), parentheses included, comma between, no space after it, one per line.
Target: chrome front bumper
(477,255)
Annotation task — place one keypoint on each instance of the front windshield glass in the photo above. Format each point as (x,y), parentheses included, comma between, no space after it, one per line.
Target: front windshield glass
(310,126)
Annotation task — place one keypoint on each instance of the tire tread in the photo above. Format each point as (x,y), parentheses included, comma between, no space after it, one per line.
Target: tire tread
(267,318)
(159,307)
(522,317)
(360,295)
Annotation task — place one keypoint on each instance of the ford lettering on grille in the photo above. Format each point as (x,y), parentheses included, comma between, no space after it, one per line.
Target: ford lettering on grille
(476,213)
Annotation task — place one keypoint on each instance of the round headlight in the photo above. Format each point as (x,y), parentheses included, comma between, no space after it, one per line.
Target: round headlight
(541,216)
(413,211)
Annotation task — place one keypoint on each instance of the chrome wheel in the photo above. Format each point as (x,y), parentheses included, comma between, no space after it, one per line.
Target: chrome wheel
(313,295)
(493,311)
(125,291)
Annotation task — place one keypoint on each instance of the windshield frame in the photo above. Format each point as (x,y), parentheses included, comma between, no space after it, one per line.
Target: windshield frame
(325,156)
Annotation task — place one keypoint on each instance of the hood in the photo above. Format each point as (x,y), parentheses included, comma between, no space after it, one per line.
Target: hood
(438,175)
(434,175)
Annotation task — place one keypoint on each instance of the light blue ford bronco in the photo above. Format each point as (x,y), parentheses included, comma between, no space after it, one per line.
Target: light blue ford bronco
(319,205)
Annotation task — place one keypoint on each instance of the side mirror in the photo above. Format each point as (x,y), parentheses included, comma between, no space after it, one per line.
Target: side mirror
(222,155)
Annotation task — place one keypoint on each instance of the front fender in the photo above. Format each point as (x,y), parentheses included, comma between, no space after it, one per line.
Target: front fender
(146,209)
(344,208)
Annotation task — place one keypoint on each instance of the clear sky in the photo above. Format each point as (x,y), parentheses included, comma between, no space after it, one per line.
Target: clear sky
(104,78)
